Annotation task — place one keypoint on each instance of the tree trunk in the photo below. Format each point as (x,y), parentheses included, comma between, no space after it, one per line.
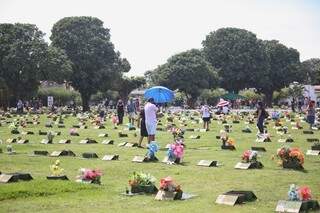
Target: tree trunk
(85,102)
(191,101)
(269,98)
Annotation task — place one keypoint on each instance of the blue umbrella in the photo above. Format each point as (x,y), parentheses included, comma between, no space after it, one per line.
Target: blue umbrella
(159,94)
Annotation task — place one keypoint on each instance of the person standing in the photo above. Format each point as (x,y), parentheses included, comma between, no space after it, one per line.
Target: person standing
(20,107)
(131,109)
(262,114)
(205,112)
(150,110)
(143,129)
(311,113)
(120,111)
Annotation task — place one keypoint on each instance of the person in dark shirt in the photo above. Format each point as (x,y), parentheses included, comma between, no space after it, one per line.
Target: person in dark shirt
(143,129)
(120,111)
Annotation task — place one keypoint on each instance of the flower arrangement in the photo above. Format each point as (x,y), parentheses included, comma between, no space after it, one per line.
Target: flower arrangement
(249,156)
(55,168)
(89,176)
(142,179)
(177,132)
(73,132)
(299,193)
(152,149)
(291,157)
(175,152)
(114,120)
(142,182)
(167,184)
(14,128)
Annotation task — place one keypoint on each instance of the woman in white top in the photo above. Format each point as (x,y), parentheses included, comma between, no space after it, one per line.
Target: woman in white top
(205,111)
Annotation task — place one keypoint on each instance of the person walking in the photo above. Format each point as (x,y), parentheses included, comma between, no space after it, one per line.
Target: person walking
(205,112)
(150,111)
(262,114)
(131,109)
(311,113)
(120,111)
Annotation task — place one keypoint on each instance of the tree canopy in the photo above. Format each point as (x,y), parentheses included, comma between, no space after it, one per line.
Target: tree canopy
(93,56)
(187,71)
(237,54)
(311,69)
(283,69)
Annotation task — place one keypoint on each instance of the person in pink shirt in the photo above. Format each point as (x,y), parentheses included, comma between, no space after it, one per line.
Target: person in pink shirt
(150,111)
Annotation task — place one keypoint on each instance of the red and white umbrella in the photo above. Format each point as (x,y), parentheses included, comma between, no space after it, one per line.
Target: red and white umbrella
(222,103)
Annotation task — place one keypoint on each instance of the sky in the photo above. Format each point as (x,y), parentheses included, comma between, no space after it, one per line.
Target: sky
(148,32)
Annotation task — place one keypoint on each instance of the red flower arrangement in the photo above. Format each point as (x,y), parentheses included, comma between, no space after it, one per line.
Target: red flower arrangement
(167,184)
(291,157)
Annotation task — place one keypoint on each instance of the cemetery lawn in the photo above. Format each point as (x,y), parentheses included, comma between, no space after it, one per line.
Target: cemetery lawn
(269,184)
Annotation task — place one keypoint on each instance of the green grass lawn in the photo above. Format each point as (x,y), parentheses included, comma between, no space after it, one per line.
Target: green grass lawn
(270,184)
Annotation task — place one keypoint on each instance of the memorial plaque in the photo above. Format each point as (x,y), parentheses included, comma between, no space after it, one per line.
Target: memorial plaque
(313,152)
(64,141)
(122,135)
(61,126)
(207,163)
(241,165)
(194,137)
(312,140)
(11,140)
(259,149)
(89,155)
(308,132)
(139,159)
(122,144)
(315,147)
(108,142)
(110,157)
(37,152)
(4,178)
(202,130)
(230,200)
(22,141)
(103,135)
(288,206)
(46,141)
(55,154)
(131,145)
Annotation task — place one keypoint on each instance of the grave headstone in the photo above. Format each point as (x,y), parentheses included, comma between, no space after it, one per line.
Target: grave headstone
(89,155)
(62,153)
(259,149)
(22,141)
(139,159)
(40,152)
(110,157)
(65,141)
(207,163)
(108,142)
(103,135)
(313,152)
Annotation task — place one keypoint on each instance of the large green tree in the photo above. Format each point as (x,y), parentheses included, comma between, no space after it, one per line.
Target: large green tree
(237,54)
(283,69)
(22,50)
(311,69)
(188,71)
(88,46)
(25,59)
